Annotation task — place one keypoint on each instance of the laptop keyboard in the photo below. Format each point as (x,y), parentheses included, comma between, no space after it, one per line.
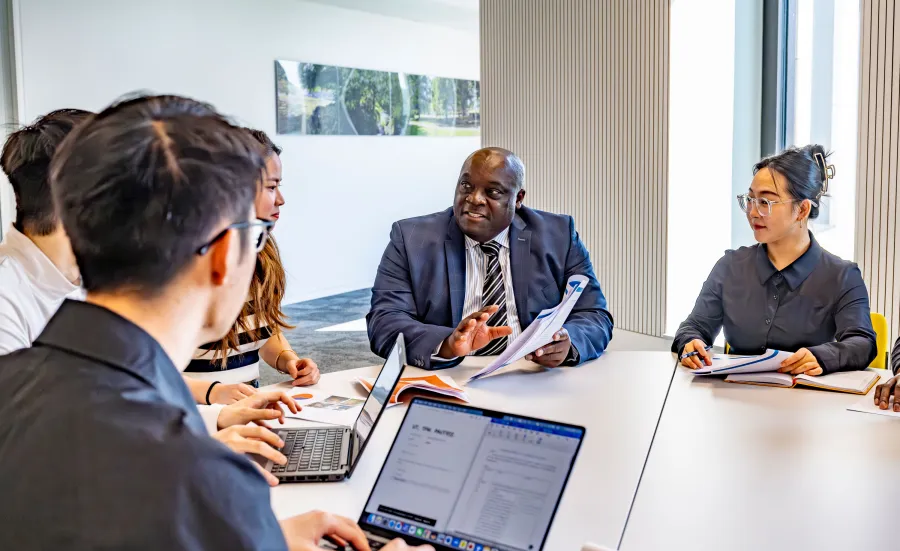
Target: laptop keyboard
(310,450)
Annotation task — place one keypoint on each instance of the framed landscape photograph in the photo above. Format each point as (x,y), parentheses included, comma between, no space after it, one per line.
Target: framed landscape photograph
(317,99)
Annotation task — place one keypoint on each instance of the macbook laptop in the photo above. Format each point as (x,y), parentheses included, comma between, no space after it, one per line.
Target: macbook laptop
(460,477)
(331,453)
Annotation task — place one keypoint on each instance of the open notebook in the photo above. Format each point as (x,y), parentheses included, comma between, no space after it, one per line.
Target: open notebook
(852,382)
(437,384)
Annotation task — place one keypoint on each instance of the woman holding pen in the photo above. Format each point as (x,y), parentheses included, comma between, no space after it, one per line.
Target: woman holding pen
(786,292)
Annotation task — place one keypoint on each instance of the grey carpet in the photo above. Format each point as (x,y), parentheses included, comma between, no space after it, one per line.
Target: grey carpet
(331,350)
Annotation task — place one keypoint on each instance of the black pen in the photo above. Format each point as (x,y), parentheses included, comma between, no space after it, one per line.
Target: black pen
(694,353)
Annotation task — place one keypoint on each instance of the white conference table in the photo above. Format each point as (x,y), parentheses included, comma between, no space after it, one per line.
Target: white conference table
(618,398)
(746,467)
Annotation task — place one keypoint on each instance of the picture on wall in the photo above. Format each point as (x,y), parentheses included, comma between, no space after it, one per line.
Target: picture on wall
(329,100)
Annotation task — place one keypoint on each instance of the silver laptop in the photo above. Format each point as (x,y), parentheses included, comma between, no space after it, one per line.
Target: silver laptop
(460,477)
(330,453)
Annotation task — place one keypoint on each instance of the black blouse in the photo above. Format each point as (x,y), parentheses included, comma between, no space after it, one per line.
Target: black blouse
(819,302)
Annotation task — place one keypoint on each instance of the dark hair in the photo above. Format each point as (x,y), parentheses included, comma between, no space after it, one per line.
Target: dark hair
(263,138)
(805,169)
(26,160)
(145,183)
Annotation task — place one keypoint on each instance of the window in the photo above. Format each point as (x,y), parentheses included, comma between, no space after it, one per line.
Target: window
(747,78)
(821,104)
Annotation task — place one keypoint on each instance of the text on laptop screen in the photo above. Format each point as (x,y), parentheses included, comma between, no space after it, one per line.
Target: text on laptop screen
(379,396)
(457,475)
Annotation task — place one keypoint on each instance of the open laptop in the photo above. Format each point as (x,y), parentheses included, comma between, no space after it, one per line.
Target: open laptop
(460,477)
(331,453)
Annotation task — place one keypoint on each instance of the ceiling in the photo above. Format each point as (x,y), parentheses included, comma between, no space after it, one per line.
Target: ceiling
(457,14)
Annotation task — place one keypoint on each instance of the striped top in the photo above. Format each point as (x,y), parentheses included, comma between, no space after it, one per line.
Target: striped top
(241,366)
(476,271)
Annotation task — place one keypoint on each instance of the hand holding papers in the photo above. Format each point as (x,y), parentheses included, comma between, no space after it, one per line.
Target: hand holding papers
(541,331)
(727,364)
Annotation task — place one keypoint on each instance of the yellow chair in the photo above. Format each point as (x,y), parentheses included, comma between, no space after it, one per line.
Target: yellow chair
(879,323)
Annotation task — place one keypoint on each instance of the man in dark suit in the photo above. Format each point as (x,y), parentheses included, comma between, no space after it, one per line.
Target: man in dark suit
(470,279)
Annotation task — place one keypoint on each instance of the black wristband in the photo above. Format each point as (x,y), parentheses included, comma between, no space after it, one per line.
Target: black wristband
(208,390)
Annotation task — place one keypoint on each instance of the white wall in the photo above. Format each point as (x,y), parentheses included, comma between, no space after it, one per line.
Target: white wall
(342,193)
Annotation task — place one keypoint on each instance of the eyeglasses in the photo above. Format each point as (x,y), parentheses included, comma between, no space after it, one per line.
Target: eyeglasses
(259,228)
(763,205)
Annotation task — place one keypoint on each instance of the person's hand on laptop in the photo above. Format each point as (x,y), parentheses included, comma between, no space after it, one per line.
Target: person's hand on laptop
(229,394)
(258,408)
(472,334)
(254,439)
(304,532)
(400,545)
(553,354)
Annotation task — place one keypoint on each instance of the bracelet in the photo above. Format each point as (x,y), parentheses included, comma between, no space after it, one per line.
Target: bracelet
(278,357)
(208,390)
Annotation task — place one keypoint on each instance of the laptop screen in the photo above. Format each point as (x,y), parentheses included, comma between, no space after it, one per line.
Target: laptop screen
(381,391)
(467,478)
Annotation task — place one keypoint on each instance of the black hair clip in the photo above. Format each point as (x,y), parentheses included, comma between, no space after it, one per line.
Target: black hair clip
(828,170)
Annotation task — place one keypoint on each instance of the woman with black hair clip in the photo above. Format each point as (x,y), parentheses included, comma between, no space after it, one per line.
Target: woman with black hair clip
(786,292)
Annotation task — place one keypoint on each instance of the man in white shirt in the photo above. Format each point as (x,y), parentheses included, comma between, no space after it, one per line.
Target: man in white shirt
(37,267)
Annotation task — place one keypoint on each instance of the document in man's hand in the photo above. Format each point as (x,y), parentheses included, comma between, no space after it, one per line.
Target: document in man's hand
(727,364)
(541,331)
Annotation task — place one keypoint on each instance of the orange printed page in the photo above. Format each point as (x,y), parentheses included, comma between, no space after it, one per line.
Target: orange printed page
(425,383)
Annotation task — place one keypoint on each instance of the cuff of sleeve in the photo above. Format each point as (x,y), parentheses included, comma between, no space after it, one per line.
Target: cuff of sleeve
(825,357)
(210,415)
(421,354)
(681,341)
(573,358)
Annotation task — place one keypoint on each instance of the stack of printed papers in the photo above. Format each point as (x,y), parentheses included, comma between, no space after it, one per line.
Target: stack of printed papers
(438,384)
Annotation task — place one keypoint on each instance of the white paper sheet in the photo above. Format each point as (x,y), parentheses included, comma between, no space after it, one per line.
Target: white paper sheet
(867,405)
(541,330)
(724,364)
(326,407)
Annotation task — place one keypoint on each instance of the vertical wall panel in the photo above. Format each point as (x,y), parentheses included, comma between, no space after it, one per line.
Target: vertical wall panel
(579,90)
(877,197)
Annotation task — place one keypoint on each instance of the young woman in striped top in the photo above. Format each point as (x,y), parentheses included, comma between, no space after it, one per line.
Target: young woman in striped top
(233,362)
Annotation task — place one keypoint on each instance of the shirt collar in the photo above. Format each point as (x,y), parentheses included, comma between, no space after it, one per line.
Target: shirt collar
(502,239)
(794,274)
(98,334)
(41,272)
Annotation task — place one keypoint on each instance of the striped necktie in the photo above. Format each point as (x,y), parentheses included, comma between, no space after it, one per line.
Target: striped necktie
(494,293)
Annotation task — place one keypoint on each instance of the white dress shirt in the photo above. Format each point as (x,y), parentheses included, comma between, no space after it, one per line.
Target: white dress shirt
(31,291)
(476,273)
(210,416)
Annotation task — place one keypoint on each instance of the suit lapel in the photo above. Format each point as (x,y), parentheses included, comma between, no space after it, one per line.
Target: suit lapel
(520,258)
(455,250)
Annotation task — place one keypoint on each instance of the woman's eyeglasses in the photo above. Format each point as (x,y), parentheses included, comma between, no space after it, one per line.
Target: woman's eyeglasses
(763,205)
(259,233)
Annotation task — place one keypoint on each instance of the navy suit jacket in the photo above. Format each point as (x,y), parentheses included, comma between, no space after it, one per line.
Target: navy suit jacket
(421,283)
